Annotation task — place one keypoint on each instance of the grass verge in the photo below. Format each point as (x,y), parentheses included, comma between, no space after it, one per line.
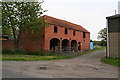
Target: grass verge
(111,61)
(95,49)
(19,55)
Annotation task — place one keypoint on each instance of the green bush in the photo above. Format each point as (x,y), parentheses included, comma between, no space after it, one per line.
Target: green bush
(111,61)
(48,53)
(19,51)
(6,51)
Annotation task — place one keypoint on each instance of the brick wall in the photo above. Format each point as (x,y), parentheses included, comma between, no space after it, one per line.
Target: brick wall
(28,42)
(32,42)
(41,41)
(8,44)
(49,34)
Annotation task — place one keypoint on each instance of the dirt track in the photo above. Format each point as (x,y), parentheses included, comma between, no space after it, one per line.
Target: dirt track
(87,66)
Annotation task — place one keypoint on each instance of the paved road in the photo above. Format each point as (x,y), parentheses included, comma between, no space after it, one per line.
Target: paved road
(86,66)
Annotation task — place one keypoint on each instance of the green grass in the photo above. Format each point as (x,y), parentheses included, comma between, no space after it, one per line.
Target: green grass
(20,55)
(99,48)
(95,49)
(111,61)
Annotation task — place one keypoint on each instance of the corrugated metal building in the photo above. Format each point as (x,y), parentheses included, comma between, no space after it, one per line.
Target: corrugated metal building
(113,37)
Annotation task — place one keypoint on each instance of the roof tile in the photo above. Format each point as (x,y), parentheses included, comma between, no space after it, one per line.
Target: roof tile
(63,23)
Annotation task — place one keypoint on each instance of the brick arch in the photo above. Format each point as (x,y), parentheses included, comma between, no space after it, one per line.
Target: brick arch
(65,44)
(74,46)
(54,43)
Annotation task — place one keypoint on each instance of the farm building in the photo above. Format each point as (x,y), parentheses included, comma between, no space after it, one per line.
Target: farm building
(113,31)
(60,35)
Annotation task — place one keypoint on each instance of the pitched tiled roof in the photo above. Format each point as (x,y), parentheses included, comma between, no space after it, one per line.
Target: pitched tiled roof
(63,23)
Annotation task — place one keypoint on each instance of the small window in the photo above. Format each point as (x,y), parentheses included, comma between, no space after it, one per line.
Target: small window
(55,29)
(74,32)
(66,31)
(84,35)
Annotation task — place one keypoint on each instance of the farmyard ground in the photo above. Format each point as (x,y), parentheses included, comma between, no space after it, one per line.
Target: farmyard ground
(86,66)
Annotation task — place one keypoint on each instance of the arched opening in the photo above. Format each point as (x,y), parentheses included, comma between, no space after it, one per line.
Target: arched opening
(65,45)
(54,44)
(74,45)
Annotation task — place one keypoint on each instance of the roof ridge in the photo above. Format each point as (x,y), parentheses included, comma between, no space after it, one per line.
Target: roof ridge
(62,20)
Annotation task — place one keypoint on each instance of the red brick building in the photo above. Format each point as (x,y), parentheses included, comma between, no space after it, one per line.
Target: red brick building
(60,35)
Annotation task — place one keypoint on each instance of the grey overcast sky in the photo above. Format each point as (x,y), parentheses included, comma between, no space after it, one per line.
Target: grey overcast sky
(91,14)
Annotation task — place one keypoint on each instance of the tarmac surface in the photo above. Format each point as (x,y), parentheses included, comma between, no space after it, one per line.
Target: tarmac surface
(86,66)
